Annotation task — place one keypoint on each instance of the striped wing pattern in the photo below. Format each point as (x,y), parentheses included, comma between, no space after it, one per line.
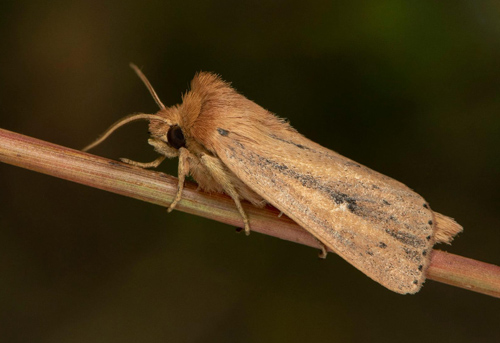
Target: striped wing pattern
(374,222)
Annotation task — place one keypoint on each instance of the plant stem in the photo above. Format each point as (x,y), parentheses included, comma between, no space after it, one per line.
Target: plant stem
(158,188)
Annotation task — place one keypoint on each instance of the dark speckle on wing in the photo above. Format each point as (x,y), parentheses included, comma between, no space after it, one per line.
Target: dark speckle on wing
(407,238)
(300,146)
(223,132)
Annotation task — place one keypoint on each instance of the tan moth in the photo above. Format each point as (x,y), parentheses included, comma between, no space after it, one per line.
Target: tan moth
(230,144)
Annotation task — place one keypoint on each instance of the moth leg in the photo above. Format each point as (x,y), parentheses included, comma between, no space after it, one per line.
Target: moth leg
(182,172)
(216,168)
(152,164)
(163,148)
(323,249)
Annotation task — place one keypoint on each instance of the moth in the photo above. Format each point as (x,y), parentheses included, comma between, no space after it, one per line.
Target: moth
(229,144)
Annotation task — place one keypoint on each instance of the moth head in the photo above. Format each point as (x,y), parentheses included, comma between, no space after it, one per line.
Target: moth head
(176,121)
(164,126)
(169,129)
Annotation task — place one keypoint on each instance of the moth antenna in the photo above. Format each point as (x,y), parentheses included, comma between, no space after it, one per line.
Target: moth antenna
(148,85)
(122,122)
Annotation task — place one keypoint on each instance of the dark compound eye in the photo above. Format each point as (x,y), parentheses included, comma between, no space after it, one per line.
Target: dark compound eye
(175,137)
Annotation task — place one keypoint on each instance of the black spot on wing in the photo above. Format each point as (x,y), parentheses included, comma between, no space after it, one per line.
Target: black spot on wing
(223,132)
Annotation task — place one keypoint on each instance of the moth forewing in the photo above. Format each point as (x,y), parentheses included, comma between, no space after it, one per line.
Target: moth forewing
(230,144)
(375,223)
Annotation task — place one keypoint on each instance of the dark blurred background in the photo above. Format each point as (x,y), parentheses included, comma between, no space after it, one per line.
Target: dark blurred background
(410,89)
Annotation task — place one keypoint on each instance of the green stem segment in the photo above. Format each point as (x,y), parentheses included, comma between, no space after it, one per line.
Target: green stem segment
(158,188)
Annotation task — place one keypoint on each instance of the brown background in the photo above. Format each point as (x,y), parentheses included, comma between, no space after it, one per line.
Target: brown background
(409,89)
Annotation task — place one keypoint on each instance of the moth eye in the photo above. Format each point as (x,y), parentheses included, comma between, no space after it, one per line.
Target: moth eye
(175,137)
